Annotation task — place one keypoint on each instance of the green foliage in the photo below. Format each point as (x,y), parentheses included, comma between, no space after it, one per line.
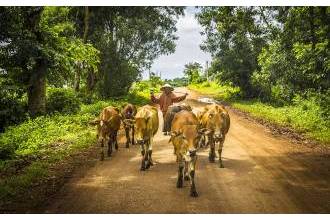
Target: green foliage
(234,39)
(193,72)
(269,52)
(304,116)
(140,91)
(12,107)
(177,82)
(62,100)
(46,140)
(220,92)
(309,114)
(129,39)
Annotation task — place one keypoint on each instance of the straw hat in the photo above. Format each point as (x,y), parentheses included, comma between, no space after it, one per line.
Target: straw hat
(167,86)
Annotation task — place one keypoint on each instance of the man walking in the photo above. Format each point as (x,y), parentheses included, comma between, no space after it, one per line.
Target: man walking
(166,99)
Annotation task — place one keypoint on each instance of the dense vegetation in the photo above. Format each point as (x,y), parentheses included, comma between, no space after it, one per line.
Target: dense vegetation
(97,51)
(59,66)
(269,52)
(270,61)
(29,150)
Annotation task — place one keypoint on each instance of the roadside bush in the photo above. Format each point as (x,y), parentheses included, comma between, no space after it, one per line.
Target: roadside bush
(12,109)
(86,97)
(62,100)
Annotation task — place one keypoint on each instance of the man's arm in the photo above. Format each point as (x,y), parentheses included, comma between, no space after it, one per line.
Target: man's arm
(153,98)
(178,98)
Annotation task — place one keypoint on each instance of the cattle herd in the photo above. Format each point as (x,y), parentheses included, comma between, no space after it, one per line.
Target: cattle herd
(189,131)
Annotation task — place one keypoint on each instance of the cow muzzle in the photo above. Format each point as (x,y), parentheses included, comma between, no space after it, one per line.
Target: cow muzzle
(192,153)
(218,137)
(140,142)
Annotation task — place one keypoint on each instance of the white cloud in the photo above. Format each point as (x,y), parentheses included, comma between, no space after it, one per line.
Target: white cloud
(187,48)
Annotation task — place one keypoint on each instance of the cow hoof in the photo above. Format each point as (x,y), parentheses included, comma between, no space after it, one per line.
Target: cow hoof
(127,145)
(186,178)
(179,184)
(221,165)
(143,169)
(148,165)
(102,157)
(109,154)
(211,160)
(193,193)
(116,147)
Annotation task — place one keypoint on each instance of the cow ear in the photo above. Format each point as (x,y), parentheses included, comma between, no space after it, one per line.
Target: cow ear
(107,122)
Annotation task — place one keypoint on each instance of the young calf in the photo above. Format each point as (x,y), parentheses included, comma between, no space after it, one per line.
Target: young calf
(128,113)
(185,138)
(108,125)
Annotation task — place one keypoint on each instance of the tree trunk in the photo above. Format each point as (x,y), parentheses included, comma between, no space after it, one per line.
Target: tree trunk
(77,79)
(37,90)
(91,76)
(86,24)
(91,80)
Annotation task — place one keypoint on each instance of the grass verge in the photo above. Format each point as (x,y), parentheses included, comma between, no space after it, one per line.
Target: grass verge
(29,150)
(303,116)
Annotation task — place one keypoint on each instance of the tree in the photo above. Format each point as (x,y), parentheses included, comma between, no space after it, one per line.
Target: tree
(192,71)
(39,43)
(129,39)
(234,39)
(269,50)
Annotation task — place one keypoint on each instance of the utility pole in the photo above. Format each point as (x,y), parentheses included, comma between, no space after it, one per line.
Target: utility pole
(206,70)
(149,66)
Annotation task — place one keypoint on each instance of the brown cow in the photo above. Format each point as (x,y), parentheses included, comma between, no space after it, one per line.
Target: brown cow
(185,138)
(216,123)
(172,110)
(128,113)
(108,125)
(146,126)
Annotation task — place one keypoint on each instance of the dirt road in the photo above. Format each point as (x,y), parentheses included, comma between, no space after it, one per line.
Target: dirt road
(262,174)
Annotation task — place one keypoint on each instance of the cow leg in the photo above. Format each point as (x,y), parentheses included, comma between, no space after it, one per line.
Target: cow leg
(143,167)
(186,174)
(202,141)
(220,152)
(102,153)
(179,183)
(115,139)
(212,149)
(150,152)
(133,130)
(192,165)
(110,143)
(127,137)
(147,156)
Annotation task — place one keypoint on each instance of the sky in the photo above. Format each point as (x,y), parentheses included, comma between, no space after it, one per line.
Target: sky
(187,48)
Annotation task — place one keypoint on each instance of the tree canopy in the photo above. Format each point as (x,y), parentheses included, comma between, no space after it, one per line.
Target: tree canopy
(269,51)
(96,50)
